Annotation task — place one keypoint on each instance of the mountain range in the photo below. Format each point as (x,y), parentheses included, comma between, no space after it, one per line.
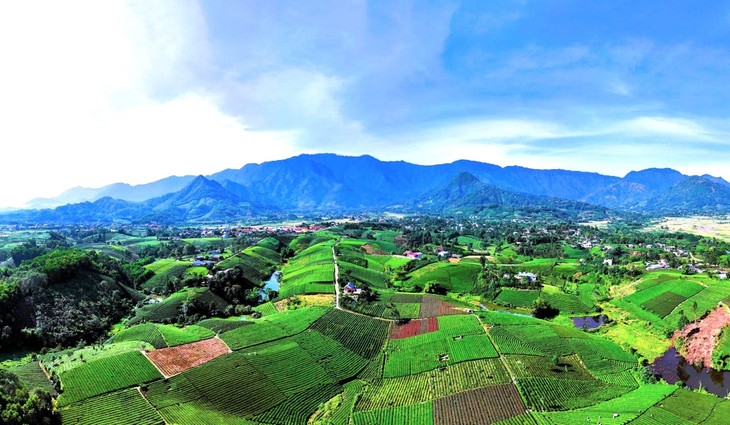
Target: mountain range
(329,182)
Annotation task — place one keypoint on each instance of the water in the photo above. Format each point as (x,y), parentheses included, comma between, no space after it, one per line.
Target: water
(672,367)
(590,322)
(273,283)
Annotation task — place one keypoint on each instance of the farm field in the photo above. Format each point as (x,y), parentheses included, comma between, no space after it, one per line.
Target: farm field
(174,360)
(423,342)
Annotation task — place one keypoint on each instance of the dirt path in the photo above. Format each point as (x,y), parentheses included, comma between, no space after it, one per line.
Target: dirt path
(700,337)
(337,280)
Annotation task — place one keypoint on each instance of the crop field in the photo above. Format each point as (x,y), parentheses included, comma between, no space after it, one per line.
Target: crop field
(470,347)
(105,375)
(147,332)
(386,393)
(164,270)
(690,406)
(32,376)
(349,271)
(414,327)
(174,335)
(478,406)
(432,306)
(266,309)
(455,277)
(569,367)
(169,308)
(171,361)
(381,262)
(458,339)
(361,335)
(664,303)
(565,394)
(340,362)
(288,366)
(628,406)
(417,414)
(272,327)
(512,341)
(297,410)
(309,277)
(126,406)
(683,288)
(567,303)
(516,297)
(219,325)
(218,385)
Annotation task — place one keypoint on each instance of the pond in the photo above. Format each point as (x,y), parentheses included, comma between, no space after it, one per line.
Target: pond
(672,367)
(273,283)
(589,322)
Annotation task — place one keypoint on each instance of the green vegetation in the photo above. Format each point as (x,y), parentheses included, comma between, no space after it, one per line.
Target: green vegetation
(400,350)
(105,375)
(126,406)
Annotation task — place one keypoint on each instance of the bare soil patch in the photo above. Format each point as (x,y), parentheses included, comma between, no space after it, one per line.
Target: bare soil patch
(433,307)
(699,338)
(174,360)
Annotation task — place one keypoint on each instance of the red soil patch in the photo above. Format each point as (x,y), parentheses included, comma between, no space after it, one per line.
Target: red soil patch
(701,337)
(174,360)
(414,327)
(372,251)
(433,307)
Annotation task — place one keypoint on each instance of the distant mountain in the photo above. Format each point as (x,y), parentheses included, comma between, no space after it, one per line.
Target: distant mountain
(202,200)
(694,195)
(466,194)
(123,191)
(328,182)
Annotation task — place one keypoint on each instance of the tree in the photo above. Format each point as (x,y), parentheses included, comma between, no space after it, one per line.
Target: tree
(435,288)
(543,310)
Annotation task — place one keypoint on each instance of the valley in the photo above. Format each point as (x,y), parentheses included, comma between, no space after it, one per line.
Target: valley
(381,319)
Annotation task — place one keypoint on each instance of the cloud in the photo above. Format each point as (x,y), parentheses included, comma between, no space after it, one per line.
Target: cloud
(99,92)
(680,128)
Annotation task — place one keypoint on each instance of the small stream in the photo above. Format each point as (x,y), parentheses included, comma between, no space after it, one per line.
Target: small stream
(274,283)
(672,367)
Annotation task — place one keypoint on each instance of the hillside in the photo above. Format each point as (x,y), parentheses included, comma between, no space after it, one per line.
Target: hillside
(332,183)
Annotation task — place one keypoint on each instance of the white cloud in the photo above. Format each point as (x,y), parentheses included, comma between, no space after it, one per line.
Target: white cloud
(667,127)
(99,92)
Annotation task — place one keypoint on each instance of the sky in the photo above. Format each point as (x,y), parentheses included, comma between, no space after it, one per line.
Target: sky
(93,93)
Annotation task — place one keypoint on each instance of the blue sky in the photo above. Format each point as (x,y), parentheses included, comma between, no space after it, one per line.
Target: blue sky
(102,92)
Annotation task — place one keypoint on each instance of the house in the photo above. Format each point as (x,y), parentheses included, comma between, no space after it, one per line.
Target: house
(527,275)
(608,261)
(413,255)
